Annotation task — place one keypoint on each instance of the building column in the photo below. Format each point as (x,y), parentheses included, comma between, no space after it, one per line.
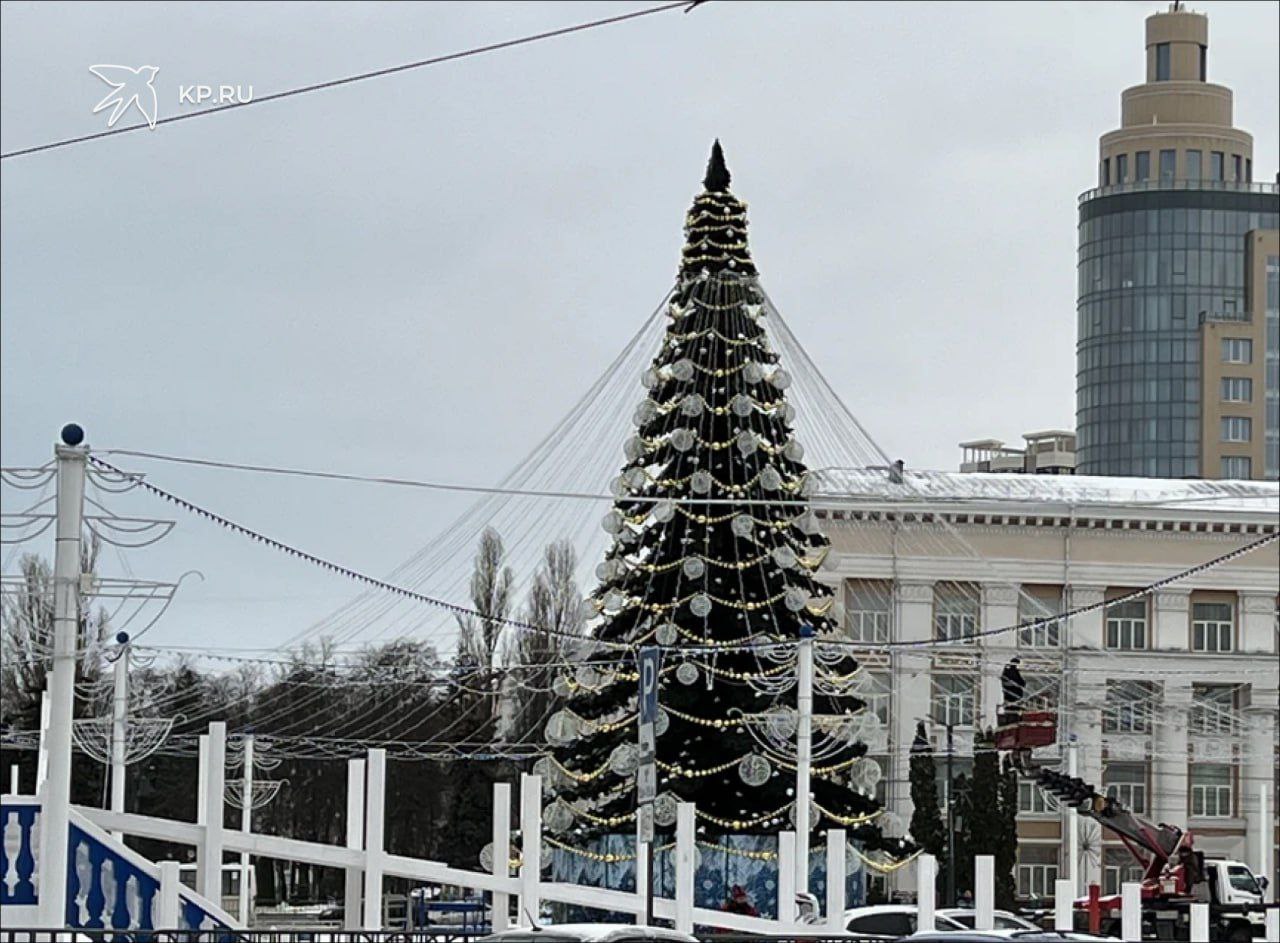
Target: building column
(1169,788)
(1171,624)
(999,609)
(1258,770)
(1085,631)
(1084,722)
(1257,623)
(911,701)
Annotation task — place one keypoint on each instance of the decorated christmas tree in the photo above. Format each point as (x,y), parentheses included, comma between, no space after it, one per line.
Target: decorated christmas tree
(714,559)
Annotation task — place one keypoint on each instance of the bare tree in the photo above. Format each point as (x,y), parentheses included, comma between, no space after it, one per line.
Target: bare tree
(554,607)
(479,637)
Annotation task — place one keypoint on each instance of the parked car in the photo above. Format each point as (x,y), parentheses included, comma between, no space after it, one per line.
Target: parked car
(1004,919)
(890,921)
(589,933)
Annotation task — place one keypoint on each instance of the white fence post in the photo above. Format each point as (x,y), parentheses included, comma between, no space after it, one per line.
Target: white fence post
(926,892)
(211,848)
(642,883)
(1265,848)
(1199,923)
(351,889)
(835,880)
(685,851)
(1272,922)
(984,892)
(1131,911)
(167,913)
(530,847)
(1064,902)
(787,877)
(42,755)
(13,780)
(500,919)
(374,823)
(202,777)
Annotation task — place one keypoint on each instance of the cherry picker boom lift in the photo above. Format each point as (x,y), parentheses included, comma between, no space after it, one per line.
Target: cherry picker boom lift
(1175,875)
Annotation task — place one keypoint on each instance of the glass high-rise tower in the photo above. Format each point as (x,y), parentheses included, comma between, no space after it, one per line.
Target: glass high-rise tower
(1177,350)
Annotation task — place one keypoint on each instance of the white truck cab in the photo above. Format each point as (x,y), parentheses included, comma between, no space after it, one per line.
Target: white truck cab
(1233,884)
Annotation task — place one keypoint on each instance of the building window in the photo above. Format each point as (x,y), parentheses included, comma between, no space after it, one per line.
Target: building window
(1237,350)
(1126,783)
(1211,792)
(1204,63)
(1162,62)
(1194,168)
(1106,172)
(955,611)
(1118,867)
(1212,627)
(1248,169)
(1034,605)
(1129,707)
(1141,165)
(1122,168)
(1237,165)
(877,696)
(1237,467)
(1237,429)
(953,699)
(869,606)
(1213,709)
(1037,870)
(1127,625)
(1216,167)
(1168,166)
(1237,389)
(1032,800)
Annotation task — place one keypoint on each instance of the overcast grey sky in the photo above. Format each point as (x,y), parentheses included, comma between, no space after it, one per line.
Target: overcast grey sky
(418,275)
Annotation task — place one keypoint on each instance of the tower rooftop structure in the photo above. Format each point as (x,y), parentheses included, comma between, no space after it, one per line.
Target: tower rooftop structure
(1177,250)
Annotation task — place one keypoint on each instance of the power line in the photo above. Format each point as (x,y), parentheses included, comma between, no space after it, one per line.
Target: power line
(343,570)
(525,626)
(350,79)
(822,500)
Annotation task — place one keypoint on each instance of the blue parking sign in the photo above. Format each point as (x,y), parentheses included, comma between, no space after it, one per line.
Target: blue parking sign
(650,658)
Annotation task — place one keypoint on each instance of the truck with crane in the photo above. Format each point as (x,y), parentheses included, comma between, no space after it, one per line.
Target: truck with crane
(1175,875)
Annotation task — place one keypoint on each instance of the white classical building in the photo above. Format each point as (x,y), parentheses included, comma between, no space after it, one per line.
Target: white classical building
(1171,697)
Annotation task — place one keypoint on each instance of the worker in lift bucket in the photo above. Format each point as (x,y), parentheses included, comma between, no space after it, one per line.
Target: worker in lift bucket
(1014,686)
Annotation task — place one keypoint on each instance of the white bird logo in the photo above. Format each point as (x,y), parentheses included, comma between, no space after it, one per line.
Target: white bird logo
(128,87)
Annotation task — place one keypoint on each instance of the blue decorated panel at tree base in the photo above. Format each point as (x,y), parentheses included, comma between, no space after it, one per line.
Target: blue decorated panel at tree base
(748,861)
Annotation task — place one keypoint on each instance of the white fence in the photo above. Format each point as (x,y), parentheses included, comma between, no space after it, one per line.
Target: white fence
(367,863)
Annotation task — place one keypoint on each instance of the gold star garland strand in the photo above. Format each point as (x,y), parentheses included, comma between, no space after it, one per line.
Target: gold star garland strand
(723,564)
(652,444)
(599,727)
(896,865)
(818,608)
(673,769)
(736,824)
(762,341)
(793,484)
(638,519)
(871,863)
(709,643)
(849,820)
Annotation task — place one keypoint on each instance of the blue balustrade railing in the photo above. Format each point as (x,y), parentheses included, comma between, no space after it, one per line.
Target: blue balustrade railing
(109,886)
(19,853)
(105,890)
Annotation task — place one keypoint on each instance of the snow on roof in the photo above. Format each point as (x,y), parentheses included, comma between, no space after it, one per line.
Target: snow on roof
(1252,497)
